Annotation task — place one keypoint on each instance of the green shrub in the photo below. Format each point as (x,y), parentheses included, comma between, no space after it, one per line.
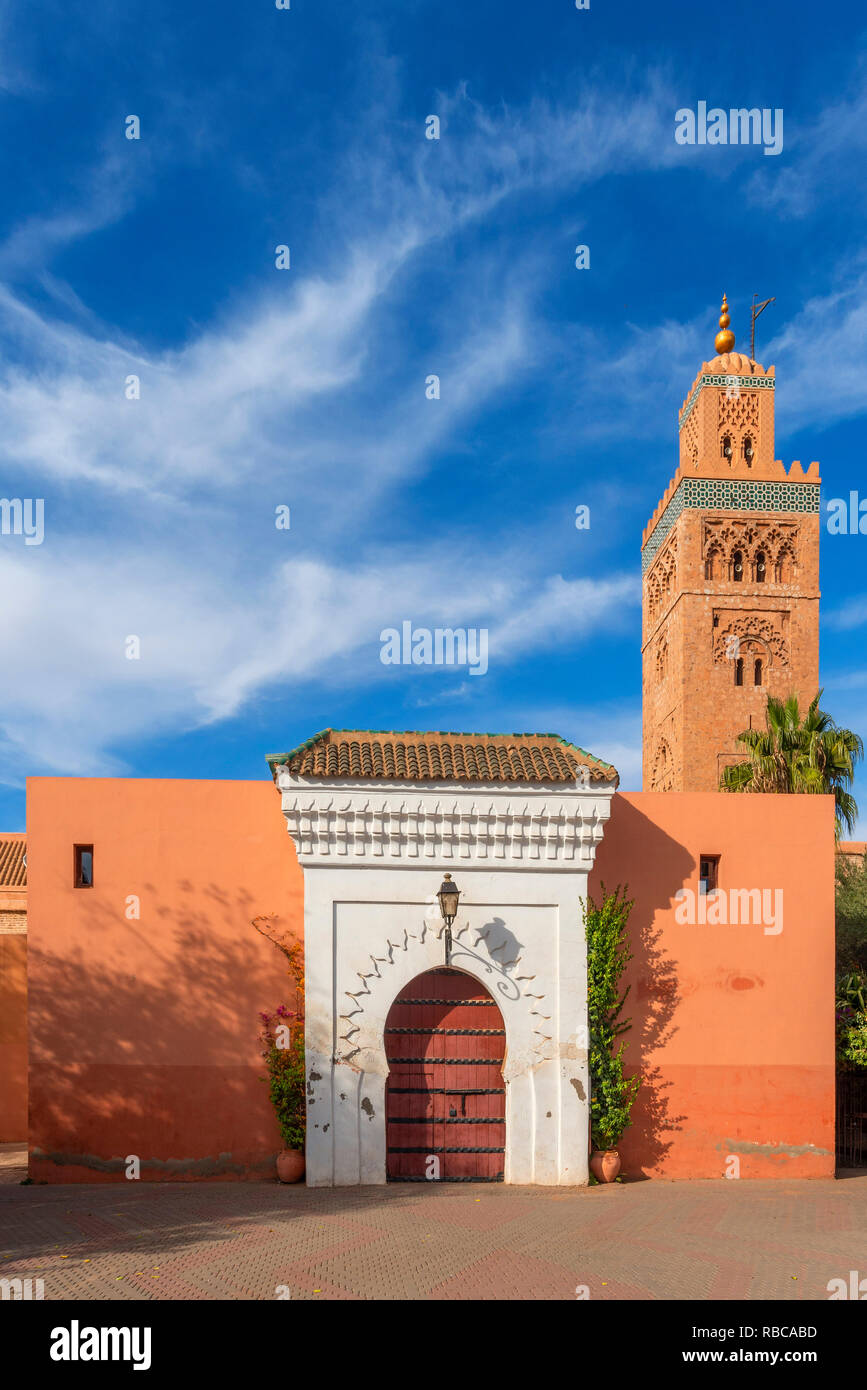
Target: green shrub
(282,1042)
(612,1094)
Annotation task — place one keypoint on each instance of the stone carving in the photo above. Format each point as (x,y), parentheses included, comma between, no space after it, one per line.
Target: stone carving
(738,411)
(662,775)
(751,627)
(722,538)
(661,580)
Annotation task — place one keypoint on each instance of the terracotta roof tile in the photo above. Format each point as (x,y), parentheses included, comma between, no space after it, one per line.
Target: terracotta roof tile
(13,871)
(443,757)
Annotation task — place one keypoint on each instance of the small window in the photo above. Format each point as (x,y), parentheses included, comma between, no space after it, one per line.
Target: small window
(761,567)
(758,671)
(739,671)
(748,451)
(84,866)
(738,566)
(727,447)
(708,874)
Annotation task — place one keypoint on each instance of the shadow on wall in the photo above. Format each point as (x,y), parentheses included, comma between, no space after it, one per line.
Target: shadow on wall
(160,1060)
(652,865)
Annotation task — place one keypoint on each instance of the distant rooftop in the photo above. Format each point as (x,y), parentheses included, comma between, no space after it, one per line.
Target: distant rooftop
(417,756)
(13,870)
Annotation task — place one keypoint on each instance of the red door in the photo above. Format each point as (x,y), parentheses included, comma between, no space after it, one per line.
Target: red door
(446,1101)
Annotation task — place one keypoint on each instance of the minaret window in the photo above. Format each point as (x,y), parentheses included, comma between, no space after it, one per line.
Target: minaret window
(738,566)
(761,568)
(758,671)
(727,447)
(748,451)
(739,671)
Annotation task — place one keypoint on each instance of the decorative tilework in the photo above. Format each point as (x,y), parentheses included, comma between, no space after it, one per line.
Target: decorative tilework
(763,383)
(720,494)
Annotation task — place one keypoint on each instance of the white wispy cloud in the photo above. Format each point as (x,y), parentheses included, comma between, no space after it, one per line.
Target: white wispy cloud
(305,393)
(823,348)
(207,647)
(822,149)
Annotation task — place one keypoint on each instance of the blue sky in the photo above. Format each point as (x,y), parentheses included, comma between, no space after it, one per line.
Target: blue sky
(306,387)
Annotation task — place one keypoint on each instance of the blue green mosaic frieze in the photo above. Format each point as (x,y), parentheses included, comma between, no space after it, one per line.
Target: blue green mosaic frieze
(737,495)
(761,383)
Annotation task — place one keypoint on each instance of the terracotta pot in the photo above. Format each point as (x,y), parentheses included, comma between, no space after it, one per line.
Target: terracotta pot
(605,1165)
(290,1165)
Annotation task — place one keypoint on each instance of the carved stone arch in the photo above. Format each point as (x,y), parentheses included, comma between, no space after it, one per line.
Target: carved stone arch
(662,658)
(653,599)
(666,569)
(786,562)
(748,538)
(493,957)
(714,561)
(662,772)
(736,637)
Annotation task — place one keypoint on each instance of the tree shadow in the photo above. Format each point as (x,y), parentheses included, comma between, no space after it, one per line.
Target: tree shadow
(660,865)
(144,1042)
(161,1219)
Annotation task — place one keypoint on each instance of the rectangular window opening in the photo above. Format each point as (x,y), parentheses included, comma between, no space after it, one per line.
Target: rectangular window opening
(83,866)
(708,873)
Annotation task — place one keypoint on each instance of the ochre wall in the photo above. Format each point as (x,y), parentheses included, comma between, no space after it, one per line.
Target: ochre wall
(732,1029)
(143,1034)
(13,1036)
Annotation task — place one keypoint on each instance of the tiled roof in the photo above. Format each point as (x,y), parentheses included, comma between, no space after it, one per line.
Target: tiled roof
(443,757)
(13,873)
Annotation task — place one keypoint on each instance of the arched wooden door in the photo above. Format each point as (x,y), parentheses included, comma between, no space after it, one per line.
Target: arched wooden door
(445,1101)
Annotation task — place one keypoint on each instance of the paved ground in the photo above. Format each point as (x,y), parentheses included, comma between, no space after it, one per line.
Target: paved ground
(643,1240)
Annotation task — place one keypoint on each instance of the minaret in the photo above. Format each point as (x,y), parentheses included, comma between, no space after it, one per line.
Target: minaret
(730,562)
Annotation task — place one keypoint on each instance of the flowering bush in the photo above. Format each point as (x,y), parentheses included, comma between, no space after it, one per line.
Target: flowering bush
(281,1040)
(282,1043)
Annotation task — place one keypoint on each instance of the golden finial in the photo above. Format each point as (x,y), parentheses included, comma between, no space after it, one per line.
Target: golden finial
(725,339)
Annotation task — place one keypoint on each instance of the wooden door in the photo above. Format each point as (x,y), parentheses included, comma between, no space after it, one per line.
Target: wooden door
(445,1101)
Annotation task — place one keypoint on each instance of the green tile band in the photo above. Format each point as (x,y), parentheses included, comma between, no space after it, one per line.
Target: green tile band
(737,495)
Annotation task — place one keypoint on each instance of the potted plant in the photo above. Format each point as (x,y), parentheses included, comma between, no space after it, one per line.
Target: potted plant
(282,1041)
(282,1044)
(612,1094)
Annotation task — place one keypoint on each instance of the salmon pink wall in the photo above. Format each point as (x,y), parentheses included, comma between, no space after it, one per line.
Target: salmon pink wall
(13,1037)
(143,1032)
(733,1027)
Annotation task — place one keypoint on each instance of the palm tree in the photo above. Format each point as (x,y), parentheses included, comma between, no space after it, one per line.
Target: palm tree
(810,755)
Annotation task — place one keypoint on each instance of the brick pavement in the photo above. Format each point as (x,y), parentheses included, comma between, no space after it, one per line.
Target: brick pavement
(641,1240)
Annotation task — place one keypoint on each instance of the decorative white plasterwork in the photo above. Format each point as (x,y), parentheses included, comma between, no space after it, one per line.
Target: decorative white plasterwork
(547,826)
(486,950)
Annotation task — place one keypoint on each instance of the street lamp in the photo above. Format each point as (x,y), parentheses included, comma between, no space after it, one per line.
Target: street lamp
(448,897)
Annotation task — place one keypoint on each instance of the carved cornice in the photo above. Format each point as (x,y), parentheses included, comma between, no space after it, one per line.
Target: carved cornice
(356,825)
